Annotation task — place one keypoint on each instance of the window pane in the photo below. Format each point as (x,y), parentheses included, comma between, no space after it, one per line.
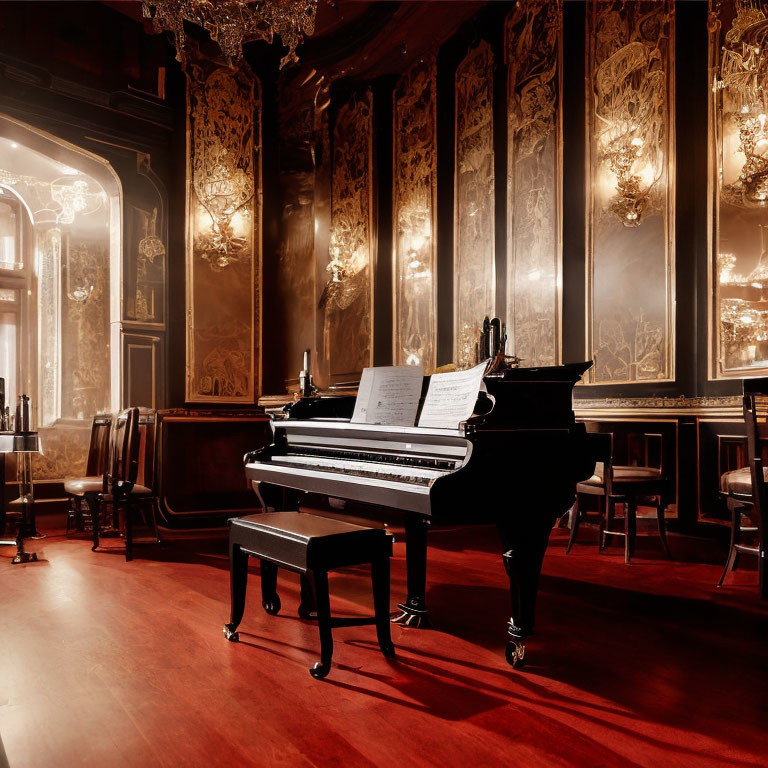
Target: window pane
(9,255)
(8,338)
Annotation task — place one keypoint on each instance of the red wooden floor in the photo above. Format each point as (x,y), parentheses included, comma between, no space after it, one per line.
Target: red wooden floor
(108,663)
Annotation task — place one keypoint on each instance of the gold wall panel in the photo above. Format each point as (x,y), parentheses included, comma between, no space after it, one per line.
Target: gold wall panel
(630,200)
(347,300)
(533,51)
(223,175)
(415,217)
(738,189)
(474,279)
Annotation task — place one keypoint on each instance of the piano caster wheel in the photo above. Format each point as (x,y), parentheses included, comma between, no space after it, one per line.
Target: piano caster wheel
(515,654)
(319,671)
(410,619)
(231,634)
(306,614)
(272,607)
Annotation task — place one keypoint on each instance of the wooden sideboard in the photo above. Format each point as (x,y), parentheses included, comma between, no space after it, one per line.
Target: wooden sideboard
(199,465)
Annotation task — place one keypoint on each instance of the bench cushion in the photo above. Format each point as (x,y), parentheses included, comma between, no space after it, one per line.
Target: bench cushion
(302,541)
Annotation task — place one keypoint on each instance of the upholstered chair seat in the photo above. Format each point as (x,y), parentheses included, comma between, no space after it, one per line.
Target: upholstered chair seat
(79,486)
(739,481)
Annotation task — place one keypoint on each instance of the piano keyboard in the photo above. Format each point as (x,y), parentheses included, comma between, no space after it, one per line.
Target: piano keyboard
(416,475)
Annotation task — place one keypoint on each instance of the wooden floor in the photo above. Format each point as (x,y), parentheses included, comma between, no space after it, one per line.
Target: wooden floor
(108,663)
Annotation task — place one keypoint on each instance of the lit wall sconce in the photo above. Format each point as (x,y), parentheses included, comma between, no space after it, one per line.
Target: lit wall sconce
(630,92)
(743,79)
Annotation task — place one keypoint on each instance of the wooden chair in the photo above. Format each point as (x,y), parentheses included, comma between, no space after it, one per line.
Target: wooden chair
(748,493)
(620,484)
(132,459)
(96,471)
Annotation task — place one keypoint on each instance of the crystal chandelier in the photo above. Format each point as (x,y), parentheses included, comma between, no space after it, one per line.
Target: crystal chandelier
(231,23)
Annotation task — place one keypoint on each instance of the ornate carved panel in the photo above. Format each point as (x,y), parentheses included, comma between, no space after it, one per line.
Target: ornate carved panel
(224,233)
(85,359)
(533,50)
(144,287)
(630,209)
(738,188)
(347,299)
(474,282)
(415,217)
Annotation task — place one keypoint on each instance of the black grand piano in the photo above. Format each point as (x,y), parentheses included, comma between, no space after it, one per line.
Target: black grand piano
(515,462)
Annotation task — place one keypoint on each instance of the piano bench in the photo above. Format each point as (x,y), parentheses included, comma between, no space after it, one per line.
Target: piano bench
(311,546)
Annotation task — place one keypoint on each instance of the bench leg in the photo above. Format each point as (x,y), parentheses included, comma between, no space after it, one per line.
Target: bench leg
(238,581)
(380,582)
(323,667)
(269,597)
(308,605)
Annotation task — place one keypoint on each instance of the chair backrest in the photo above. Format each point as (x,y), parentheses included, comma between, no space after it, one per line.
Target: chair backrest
(98,449)
(756,421)
(124,462)
(147,428)
(600,445)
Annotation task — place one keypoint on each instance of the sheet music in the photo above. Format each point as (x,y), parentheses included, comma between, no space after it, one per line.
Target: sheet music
(451,397)
(389,395)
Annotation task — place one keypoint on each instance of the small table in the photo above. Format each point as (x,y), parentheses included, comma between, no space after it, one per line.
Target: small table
(23,444)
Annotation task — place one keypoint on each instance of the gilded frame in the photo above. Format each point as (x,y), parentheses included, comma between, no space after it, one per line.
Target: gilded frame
(473,161)
(421,79)
(352,209)
(716,369)
(595,7)
(245,89)
(533,51)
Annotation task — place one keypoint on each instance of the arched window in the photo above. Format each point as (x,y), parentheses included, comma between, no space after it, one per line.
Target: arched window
(59,286)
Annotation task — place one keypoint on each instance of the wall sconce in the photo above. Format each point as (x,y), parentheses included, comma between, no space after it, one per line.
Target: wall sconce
(743,80)
(630,90)
(225,195)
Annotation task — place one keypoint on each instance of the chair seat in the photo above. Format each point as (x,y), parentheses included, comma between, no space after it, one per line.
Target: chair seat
(79,486)
(739,481)
(623,474)
(137,490)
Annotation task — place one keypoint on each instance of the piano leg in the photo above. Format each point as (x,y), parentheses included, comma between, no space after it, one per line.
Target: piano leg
(414,610)
(238,581)
(524,543)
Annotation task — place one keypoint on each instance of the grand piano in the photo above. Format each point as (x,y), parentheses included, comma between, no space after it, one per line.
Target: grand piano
(515,462)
